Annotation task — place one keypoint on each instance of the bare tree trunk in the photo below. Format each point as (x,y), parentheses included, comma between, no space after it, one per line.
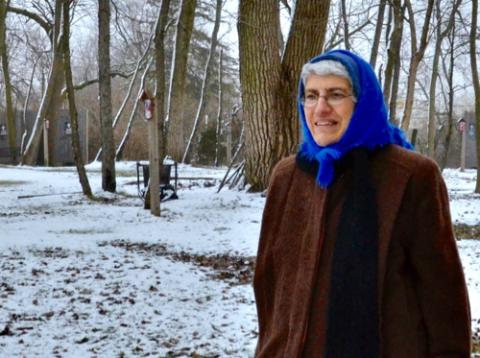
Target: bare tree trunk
(432,125)
(51,99)
(393,50)
(378,33)
(449,74)
(184,28)
(105,96)
(206,80)
(269,82)
(417,56)
(158,134)
(310,20)
(25,107)
(10,112)
(159,41)
(51,119)
(343,10)
(220,108)
(476,84)
(260,78)
(395,84)
(77,152)
(233,114)
(126,135)
(140,61)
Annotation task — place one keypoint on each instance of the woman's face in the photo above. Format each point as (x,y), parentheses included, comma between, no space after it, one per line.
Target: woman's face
(328,107)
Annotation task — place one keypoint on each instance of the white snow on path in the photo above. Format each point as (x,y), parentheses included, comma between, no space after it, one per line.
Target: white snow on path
(66,291)
(69,288)
(464,203)
(202,221)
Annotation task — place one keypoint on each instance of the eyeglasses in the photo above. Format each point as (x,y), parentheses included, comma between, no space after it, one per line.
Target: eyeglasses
(333,99)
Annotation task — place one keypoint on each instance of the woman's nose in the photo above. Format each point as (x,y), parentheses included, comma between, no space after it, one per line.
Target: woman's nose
(322,105)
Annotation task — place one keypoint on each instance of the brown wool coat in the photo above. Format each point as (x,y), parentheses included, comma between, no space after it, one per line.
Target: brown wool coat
(424,309)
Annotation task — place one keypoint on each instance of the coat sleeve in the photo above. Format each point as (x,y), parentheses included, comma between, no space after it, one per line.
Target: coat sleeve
(439,278)
(264,282)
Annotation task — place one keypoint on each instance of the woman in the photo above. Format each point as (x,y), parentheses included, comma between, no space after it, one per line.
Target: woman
(357,256)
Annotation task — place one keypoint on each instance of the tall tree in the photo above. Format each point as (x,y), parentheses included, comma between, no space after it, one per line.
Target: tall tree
(105,96)
(120,111)
(77,152)
(269,79)
(220,109)
(131,118)
(393,49)
(10,112)
(476,84)
(52,97)
(449,77)
(25,107)
(378,33)
(346,36)
(159,41)
(206,80)
(183,33)
(417,53)
(441,34)
(157,154)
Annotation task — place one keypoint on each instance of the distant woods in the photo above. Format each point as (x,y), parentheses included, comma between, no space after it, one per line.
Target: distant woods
(219,69)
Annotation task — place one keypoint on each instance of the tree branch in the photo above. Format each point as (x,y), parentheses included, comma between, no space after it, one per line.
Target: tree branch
(35,17)
(87,83)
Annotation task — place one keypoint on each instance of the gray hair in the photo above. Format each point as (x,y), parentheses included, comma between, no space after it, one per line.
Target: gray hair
(324,68)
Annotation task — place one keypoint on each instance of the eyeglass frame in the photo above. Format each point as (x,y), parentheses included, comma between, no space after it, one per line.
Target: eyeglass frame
(327,97)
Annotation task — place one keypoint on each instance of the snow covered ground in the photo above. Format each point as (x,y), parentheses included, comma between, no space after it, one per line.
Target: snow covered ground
(105,278)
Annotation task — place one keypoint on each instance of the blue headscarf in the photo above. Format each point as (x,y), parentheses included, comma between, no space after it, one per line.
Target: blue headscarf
(369,126)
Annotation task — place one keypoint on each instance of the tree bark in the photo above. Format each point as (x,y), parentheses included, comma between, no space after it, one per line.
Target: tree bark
(126,135)
(105,97)
(260,80)
(305,40)
(449,74)
(269,82)
(417,56)
(432,125)
(476,84)
(393,50)
(206,80)
(395,85)
(220,109)
(346,37)
(157,134)
(140,61)
(378,33)
(77,152)
(178,77)
(25,108)
(10,112)
(51,99)
(159,41)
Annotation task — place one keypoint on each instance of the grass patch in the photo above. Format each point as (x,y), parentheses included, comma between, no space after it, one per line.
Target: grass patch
(463,231)
(12,182)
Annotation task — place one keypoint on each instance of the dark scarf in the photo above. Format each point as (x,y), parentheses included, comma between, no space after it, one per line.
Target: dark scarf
(352,317)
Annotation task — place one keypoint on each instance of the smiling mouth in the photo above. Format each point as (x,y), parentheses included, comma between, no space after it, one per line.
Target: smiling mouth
(325,123)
